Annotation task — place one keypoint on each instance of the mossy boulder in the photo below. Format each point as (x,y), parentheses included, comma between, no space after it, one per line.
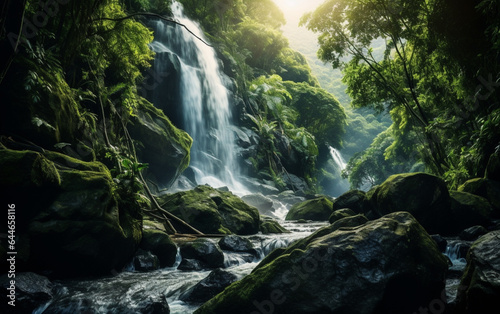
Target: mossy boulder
(390,265)
(268,226)
(209,287)
(468,210)
(71,221)
(164,147)
(493,168)
(236,243)
(318,209)
(159,243)
(213,211)
(423,195)
(355,200)
(486,188)
(481,281)
(203,250)
(341,213)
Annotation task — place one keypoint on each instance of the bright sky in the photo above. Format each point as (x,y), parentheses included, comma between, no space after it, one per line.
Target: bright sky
(294,9)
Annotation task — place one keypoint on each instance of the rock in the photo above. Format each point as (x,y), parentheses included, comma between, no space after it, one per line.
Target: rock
(164,148)
(236,243)
(294,182)
(493,168)
(341,269)
(318,209)
(472,233)
(188,264)
(213,211)
(423,195)
(145,261)
(341,213)
(486,188)
(354,200)
(441,242)
(480,286)
(209,287)
(203,250)
(269,226)
(153,305)
(468,210)
(79,226)
(31,291)
(160,244)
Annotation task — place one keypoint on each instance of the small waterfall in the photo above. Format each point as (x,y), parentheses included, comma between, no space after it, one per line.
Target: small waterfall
(202,98)
(337,158)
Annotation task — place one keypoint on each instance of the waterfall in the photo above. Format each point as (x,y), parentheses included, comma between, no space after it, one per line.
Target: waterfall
(201,105)
(338,159)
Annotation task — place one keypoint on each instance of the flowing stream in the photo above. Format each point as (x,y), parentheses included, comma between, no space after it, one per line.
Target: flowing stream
(203,99)
(130,291)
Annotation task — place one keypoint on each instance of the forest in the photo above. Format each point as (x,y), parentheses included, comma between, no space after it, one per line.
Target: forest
(186,156)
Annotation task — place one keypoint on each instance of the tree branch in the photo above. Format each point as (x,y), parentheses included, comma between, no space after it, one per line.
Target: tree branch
(120,19)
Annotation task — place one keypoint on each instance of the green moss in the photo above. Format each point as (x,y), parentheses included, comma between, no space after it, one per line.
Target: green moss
(318,209)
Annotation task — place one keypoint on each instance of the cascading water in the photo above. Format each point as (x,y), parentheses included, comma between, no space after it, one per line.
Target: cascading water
(342,185)
(203,99)
(337,158)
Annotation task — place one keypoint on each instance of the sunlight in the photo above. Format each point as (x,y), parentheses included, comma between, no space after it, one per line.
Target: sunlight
(295,8)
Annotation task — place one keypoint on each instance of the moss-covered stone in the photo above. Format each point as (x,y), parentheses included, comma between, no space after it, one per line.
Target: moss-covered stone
(423,195)
(159,243)
(468,210)
(341,213)
(203,250)
(268,225)
(355,200)
(213,211)
(486,188)
(481,280)
(391,263)
(164,147)
(318,209)
(493,168)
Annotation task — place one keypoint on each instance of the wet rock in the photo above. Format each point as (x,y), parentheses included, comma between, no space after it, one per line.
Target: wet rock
(31,291)
(154,305)
(236,243)
(203,250)
(209,287)
(341,213)
(480,285)
(441,242)
(472,233)
(164,147)
(423,195)
(328,271)
(468,210)
(263,203)
(160,244)
(294,182)
(318,209)
(355,200)
(269,226)
(188,264)
(145,261)
(213,211)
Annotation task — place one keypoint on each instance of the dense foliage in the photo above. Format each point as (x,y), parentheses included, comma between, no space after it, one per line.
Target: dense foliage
(438,75)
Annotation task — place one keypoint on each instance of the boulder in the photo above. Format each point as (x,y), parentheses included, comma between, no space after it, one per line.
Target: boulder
(164,148)
(486,188)
(344,269)
(472,233)
(480,286)
(441,242)
(318,209)
(209,287)
(341,213)
(423,195)
(203,250)
(213,211)
(468,210)
(78,226)
(264,204)
(493,168)
(236,243)
(145,261)
(269,226)
(159,243)
(354,200)
(188,264)
(31,291)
